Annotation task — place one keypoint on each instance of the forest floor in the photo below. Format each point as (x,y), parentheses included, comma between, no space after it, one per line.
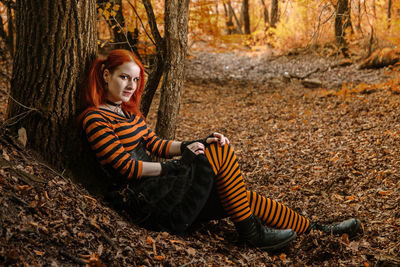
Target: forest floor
(330,153)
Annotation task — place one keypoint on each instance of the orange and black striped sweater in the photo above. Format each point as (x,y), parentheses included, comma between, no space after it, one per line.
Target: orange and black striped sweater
(112,136)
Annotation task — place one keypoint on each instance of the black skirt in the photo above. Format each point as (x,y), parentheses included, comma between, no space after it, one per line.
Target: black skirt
(171,202)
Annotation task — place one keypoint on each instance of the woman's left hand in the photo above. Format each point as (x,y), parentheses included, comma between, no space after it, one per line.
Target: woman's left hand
(220,138)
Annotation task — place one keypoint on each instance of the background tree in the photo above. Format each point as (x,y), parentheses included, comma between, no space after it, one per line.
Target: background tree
(176,28)
(246,16)
(274,13)
(122,36)
(342,23)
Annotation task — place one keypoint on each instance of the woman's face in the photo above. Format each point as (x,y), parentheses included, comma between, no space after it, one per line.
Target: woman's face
(122,83)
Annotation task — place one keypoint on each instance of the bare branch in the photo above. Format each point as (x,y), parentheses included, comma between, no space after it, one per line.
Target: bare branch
(141,22)
(153,23)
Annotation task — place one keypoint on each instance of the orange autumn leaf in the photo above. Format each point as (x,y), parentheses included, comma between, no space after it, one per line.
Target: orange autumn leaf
(385,193)
(149,240)
(160,258)
(345,239)
(39,253)
(282,257)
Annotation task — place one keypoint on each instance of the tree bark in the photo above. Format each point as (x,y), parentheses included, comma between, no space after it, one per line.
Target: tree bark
(389,13)
(176,29)
(157,69)
(342,22)
(246,17)
(274,13)
(55,43)
(265,13)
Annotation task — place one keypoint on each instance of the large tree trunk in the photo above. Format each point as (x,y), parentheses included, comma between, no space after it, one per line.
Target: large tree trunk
(55,43)
(176,29)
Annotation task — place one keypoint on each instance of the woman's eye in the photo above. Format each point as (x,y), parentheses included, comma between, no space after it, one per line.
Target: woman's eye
(135,80)
(124,77)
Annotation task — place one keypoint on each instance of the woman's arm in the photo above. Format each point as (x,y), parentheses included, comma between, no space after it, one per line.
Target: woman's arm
(151,168)
(175,149)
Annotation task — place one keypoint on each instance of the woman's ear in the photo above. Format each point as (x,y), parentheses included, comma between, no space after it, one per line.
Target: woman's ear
(106,75)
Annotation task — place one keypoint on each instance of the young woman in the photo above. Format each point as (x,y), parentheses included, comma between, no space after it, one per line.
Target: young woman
(204,184)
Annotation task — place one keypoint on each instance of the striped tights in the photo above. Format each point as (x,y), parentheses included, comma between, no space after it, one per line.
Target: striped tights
(240,203)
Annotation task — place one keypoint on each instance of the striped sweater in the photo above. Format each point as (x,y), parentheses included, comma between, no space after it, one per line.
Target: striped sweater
(112,136)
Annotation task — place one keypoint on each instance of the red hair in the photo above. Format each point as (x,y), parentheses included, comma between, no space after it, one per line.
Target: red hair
(94,93)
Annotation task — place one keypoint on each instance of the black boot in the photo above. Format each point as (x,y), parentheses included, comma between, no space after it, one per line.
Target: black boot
(253,232)
(350,227)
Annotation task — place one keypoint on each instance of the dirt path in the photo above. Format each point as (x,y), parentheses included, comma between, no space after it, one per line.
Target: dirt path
(259,69)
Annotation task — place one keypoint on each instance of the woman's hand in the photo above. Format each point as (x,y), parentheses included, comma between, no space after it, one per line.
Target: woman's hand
(218,138)
(198,148)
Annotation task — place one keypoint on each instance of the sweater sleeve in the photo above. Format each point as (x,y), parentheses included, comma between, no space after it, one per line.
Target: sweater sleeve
(108,148)
(156,145)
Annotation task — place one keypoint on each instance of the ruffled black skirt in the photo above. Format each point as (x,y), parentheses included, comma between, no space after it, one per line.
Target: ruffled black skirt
(171,202)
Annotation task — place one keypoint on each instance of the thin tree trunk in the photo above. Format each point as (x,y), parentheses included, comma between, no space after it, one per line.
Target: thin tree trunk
(153,81)
(125,40)
(358,24)
(10,40)
(265,13)
(229,19)
(389,13)
(55,43)
(157,69)
(246,17)
(274,13)
(342,22)
(238,24)
(176,30)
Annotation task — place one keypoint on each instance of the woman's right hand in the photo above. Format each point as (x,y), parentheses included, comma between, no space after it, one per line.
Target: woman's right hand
(197,148)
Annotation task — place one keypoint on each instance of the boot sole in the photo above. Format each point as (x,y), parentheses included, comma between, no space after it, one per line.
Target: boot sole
(280,245)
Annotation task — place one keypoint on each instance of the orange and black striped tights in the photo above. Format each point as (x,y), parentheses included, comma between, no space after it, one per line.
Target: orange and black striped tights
(240,203)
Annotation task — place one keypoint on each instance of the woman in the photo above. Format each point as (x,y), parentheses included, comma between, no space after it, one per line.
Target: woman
(204,184)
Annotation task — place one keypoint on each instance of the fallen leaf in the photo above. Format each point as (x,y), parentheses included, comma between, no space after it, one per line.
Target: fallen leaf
(149,240)
(282,257)
(160,258)
(22,136)
(345,239)
(39,253)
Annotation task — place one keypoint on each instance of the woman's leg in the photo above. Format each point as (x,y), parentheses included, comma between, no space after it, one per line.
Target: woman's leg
(276,215)
(233,198)
(239,203)
(229,181)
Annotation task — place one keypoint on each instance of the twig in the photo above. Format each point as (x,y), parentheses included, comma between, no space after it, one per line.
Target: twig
(194,261)
(141,22)
(319,24)
(73,258)
(365,129)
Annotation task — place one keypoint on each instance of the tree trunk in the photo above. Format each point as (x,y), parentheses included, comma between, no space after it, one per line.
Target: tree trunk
(238,24)
(274,13)
(358,23)
(55,43)
(124,40)
(265,13)
(389,13)
(153,80)
(176,29)
(342,22)
(246,17)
